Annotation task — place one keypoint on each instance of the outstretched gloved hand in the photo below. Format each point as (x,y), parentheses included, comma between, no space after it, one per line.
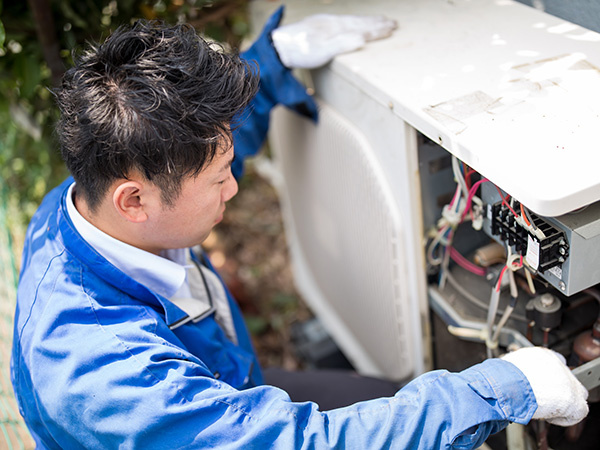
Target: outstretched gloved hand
(561,398)
(315,40)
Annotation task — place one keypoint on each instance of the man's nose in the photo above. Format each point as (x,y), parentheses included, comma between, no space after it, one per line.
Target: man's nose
(231,188)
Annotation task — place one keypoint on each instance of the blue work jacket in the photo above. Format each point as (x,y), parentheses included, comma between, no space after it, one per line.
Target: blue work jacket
(95,364)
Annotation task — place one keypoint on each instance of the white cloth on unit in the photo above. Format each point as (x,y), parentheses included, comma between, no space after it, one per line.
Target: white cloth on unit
(315,40)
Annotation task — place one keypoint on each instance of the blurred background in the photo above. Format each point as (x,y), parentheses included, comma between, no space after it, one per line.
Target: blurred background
(37,41)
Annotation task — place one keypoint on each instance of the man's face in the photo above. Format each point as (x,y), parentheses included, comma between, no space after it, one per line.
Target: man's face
(199,207)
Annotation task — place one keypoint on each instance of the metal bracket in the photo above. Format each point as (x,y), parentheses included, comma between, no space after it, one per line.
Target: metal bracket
(589,374)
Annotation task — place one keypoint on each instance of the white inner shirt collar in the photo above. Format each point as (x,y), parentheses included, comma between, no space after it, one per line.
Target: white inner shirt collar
(164,274)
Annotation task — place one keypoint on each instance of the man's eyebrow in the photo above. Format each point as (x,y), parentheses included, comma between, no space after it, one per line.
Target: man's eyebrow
(228,164)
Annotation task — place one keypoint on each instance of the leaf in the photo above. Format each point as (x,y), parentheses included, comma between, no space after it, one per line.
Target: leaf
(256,325)
(284,301)
(2,35)
(70,14)
(28,70)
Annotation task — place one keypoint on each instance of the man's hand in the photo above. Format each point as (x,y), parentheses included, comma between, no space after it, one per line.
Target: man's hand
(315,40)
(561,398)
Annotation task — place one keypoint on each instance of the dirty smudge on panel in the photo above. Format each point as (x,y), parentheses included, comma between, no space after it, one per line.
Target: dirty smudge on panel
(453,113)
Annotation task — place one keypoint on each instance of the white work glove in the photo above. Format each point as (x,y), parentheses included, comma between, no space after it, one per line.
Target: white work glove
(315,40)
(561,398)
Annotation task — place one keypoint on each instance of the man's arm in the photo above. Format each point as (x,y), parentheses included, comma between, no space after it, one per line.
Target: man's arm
(277,86)
(310,43)
(157,396)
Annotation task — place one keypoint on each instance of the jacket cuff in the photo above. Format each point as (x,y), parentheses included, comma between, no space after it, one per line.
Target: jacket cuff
(501,381)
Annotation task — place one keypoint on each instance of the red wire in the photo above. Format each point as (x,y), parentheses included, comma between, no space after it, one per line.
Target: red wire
(466,177)
(470,197)
(524,216)
(500,278)
(465,263)
(504,270)
(504,200)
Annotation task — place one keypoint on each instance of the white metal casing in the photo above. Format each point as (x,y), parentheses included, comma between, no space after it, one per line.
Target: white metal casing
(348,198)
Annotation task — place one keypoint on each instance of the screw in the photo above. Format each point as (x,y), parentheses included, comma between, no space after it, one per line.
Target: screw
(547,300)
(562,286)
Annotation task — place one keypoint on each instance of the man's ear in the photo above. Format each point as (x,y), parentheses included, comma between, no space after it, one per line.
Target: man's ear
(128,201)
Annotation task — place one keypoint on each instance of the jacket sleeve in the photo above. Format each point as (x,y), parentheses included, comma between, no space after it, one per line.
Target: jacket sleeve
(153,395)
(277,86)
(437,410)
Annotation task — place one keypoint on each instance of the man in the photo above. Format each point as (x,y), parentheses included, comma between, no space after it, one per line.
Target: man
(126,337)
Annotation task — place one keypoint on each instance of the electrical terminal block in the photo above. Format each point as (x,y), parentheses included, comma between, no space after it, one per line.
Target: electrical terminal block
(541,243)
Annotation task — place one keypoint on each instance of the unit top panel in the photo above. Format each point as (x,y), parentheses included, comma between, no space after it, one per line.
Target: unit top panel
(510,90)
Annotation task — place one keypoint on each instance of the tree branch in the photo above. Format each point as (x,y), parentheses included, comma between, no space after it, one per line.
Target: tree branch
(44,24)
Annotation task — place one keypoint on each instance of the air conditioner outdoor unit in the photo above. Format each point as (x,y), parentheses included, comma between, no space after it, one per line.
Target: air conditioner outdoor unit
(512,92)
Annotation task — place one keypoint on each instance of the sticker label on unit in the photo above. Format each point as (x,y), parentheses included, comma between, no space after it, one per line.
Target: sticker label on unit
(556,271)
(533,253)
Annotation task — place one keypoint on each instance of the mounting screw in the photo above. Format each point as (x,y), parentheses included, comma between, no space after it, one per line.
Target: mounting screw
(547,300)
(562,286)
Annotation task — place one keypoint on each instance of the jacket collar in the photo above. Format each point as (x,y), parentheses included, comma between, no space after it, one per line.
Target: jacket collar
(109,272)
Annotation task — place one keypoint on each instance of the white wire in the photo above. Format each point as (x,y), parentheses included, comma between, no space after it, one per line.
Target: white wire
(494,300)
(475,301)
(512,283)
(459,177)
(507,312)
(451,215)
(509,309)
(444,268)
(492,342)
(433,244)
(529,280)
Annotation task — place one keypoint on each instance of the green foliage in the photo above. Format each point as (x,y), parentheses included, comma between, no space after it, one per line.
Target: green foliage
(30,163)
(257,325)
(2,32)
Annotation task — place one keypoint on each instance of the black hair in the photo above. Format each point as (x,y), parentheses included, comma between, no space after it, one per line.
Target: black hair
(154,98)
